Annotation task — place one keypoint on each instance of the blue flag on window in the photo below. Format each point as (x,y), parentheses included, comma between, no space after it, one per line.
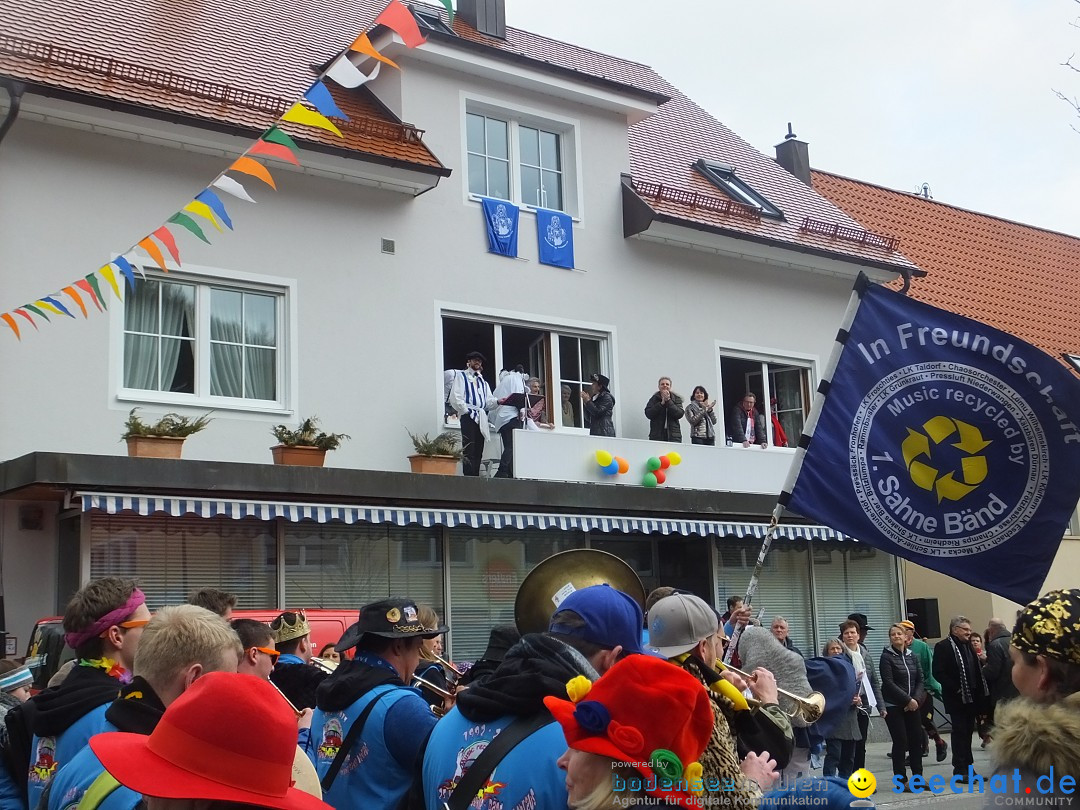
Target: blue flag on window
(501,221)
(943,441)
(555,232)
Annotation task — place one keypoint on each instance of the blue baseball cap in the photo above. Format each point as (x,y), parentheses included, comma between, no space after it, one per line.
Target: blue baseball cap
(612,618)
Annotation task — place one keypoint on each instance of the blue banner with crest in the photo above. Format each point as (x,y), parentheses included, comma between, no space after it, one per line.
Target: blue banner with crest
(501,222)
(943,441)
(555,233)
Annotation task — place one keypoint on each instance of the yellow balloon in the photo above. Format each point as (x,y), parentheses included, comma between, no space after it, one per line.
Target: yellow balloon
(603,458)
(674,458)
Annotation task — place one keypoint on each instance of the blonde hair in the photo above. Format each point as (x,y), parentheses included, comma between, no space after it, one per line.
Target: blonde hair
(426,615)
(604,795)
(180,636)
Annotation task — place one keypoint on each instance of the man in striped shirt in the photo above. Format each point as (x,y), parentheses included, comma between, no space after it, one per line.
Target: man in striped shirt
(471,399)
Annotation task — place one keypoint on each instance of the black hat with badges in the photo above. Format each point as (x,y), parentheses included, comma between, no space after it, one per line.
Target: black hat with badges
(395,617)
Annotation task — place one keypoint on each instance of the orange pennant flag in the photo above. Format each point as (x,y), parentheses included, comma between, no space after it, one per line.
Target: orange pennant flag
(110,276)
(155,253)
(71,291)
(11,322)
(254,168)
(86,287)
(363,45)
(166,238)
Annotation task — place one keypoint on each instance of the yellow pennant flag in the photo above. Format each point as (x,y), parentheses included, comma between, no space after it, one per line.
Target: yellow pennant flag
(48,306)
(363,45)
(110,276)
(299,114)
(203,210)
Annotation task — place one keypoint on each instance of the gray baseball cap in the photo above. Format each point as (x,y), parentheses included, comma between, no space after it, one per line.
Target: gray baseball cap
(678,622)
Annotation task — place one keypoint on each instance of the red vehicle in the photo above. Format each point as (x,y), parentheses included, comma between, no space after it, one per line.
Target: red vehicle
(46,652)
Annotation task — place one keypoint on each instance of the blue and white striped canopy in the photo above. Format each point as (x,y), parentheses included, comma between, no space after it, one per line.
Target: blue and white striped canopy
(112,504)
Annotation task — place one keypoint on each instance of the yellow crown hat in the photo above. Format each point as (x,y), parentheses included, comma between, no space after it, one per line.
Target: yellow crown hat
(283,630)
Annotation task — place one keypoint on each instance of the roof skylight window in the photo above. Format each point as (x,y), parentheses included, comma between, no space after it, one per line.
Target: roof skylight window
(431,21)
(723,177)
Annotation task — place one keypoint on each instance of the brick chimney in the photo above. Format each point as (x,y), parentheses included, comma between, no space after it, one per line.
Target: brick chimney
(794,155)
(486,16)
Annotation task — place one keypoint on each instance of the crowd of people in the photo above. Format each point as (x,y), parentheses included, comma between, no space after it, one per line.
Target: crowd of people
(518,403)
(609,707)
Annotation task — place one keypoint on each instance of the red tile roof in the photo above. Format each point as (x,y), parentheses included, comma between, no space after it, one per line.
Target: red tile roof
(268,49)
(1019,278)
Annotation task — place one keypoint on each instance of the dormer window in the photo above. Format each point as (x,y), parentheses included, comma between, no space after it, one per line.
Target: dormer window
(723,177)
(1074,359)
(431,21)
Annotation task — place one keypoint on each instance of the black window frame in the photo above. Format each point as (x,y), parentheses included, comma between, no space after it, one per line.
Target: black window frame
(431,21)
(724,178)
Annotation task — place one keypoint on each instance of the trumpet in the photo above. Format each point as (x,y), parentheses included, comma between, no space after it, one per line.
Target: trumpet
(450,668)
(438,690)
(809,708)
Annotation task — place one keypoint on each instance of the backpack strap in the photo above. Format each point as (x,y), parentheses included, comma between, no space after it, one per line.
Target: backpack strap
(465,791)
(100,789)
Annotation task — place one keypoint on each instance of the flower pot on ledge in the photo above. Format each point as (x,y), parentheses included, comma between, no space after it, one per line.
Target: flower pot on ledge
(434,465)
(298,455)
(155,446)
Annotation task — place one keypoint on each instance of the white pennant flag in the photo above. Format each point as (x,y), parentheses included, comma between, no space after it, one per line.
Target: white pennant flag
(347,74)
(230,186)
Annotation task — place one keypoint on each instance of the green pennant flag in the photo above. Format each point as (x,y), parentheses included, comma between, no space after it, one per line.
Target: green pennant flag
(184,221)
(32,308)
(449,9)
(92,280)
(275,135)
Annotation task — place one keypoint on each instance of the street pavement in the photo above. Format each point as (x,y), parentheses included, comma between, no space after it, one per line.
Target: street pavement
(878,763)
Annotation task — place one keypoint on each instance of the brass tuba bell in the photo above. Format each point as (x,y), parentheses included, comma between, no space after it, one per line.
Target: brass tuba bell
(561,574)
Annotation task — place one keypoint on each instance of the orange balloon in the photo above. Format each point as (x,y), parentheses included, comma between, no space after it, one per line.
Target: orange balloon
(624,465)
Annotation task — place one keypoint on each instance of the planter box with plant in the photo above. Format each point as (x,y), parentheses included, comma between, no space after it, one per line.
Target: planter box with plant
(438,456)
(306,445)
(163,438)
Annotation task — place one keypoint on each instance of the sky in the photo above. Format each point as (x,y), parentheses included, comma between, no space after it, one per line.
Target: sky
(956,95)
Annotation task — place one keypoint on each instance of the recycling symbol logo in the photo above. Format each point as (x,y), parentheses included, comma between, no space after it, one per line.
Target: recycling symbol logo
(946,484)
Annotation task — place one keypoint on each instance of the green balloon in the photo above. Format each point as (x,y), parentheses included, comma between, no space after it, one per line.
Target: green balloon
(653,464)
(649,480)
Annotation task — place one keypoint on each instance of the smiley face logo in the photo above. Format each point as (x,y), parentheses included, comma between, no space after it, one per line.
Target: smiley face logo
(862,783)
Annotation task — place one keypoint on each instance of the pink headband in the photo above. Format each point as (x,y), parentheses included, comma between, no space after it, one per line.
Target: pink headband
(115,616)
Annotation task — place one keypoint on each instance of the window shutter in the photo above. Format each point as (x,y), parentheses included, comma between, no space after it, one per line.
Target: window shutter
(855,578)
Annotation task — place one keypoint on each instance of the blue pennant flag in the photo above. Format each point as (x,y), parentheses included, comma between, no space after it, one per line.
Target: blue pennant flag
(943,441)
(555,233)
(318,95)
(501,222)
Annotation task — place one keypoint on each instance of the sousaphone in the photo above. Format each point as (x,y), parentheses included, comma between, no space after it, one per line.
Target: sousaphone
(553,579)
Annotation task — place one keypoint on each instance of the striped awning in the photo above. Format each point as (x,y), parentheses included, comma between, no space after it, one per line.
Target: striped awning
(111,503)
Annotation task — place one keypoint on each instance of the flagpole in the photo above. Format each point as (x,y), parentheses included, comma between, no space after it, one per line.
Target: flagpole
(861,284)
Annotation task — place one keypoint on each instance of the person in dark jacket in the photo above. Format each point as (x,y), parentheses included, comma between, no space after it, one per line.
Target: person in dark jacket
(664,410)
(902,689)
(963,690)
(599,405)
(998,667)
(747,423)
(293,673)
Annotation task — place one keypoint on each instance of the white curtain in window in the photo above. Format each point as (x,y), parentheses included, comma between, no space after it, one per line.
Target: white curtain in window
(141,351)
(260,374)
(177,312)
(227,361)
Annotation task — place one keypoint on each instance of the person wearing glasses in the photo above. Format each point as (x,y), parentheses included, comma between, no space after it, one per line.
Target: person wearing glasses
(179,646)
(259,655)
(103,623)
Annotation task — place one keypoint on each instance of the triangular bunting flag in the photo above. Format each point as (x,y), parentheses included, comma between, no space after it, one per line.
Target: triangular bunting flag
(166,238)
(126,269)
(273,150)
(299,114)
(254,168)
(203,210)
(110,276)
(449,9)
(11,322)
(33,308)
(74,295)
(400,20)
(26,315)
(155,253)
(363,45)
(230,186)
(320,97)
(184,221)
(216,205)
(347,74)
(49,302)
(90,285)
(275,135)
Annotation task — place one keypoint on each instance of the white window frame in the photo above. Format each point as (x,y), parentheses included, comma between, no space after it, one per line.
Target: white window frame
(762,354)
(555,327)
(515,115)
(203,278)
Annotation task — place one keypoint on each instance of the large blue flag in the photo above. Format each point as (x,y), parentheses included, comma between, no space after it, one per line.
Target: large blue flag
(501,222)
(555,233)
(943,441)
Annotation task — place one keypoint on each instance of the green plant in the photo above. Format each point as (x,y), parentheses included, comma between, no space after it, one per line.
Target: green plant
(171,424)
(307,434)
(445,444)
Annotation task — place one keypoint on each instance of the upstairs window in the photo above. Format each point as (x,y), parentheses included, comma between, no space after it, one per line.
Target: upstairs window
(430,21)
(723,177)
(782,389)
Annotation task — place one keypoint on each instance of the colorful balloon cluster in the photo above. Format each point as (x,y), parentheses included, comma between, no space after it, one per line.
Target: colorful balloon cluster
(657,467)
(612,465)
